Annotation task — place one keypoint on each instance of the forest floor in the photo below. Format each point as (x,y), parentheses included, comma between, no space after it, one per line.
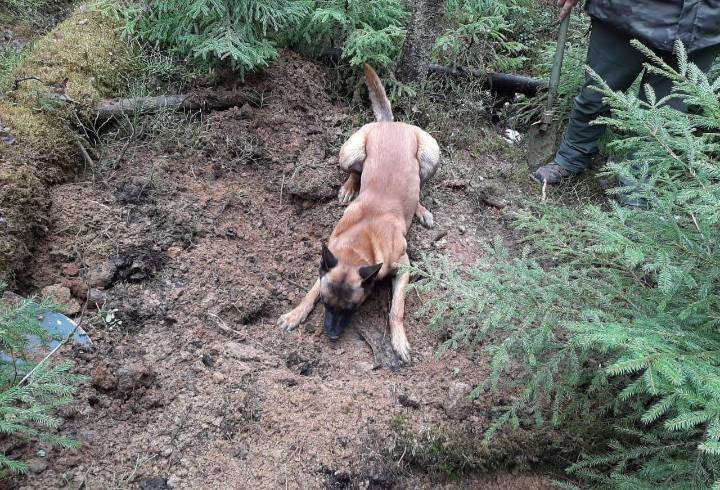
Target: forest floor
(197,233)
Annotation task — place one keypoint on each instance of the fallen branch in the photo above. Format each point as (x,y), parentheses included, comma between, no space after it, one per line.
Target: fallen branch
(498,82)
(86,156)
(222,99)
(495,81)
(380,345)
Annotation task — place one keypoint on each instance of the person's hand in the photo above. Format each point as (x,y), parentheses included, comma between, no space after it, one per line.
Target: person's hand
(565,7)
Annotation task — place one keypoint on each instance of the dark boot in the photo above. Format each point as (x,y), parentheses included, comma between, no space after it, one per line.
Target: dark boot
(552,173)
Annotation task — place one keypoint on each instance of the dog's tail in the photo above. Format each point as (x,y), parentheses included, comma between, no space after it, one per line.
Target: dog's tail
(378,98)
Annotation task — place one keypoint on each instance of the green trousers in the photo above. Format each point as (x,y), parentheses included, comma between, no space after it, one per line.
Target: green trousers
(612,57)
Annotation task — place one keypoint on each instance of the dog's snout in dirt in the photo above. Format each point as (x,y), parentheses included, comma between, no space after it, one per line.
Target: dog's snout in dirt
(336,321)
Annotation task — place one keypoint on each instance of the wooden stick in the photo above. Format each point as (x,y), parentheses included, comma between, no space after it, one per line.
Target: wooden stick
(83,152)
(222,99)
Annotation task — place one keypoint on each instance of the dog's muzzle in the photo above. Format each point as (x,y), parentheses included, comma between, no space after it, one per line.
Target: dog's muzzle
(335,322)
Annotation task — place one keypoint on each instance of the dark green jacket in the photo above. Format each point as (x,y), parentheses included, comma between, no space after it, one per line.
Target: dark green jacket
(659,23)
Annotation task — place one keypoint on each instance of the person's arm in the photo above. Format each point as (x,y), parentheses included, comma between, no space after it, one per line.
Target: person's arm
(565,7)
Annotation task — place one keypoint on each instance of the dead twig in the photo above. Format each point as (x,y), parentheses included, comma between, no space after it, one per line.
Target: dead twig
(127,144)
(282,186)
(439,235)
(223,326)
(16,83)
(86,156)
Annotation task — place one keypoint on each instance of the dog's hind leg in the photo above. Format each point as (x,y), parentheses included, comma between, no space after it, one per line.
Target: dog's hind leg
(428,155)
(424,216)
(290,321)
(397,312)
(350,188)
(352,156)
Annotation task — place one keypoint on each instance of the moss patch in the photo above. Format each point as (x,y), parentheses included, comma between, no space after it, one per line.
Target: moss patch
(453,453)
(83,58)
(42,141)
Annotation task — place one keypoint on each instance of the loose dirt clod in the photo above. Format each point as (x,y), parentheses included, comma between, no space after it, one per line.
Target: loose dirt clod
(62,296)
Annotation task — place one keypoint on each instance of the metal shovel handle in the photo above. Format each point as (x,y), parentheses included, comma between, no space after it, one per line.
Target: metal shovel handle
(557,64)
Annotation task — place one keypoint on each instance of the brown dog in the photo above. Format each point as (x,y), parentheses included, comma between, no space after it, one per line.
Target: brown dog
(388,162)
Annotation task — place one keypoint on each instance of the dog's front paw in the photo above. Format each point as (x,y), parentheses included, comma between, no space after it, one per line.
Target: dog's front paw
(425,217)
(289,321)
(402,348)
(346,193)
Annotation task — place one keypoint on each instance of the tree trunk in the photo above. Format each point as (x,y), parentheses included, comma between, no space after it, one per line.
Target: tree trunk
(423,29)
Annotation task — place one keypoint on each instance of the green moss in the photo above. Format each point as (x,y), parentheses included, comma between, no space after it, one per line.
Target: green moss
(83,58)
(42,140)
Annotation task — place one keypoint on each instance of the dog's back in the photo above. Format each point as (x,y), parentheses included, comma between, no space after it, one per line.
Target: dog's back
(390,173)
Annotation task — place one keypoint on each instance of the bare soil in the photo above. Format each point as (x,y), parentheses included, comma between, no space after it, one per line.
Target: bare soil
(198,245)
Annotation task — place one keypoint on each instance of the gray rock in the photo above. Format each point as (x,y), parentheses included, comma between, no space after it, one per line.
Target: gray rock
(247,353)
(37,466)
(457,405)
(154,483)
(97,296)
(102,275)
(363,367)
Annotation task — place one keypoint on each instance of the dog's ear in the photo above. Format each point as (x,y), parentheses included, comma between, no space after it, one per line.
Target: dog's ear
(328,260)
(368,272)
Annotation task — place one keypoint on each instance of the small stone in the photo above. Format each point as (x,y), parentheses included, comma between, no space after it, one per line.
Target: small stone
(219,377)
(363,366)
(62,296)
(102,275)
(97,296)
(245,352)
(154,483)
(173,252)
(242,451)
(37,466)
(458,404)
(173,481)
(246,111)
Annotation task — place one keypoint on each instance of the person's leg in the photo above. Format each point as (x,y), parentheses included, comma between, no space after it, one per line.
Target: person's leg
(618,64)
(662,86)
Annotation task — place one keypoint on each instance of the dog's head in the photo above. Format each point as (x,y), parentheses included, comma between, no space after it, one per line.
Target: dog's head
(343,288)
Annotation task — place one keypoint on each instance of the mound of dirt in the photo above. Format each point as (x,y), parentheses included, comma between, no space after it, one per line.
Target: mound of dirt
(192,385)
